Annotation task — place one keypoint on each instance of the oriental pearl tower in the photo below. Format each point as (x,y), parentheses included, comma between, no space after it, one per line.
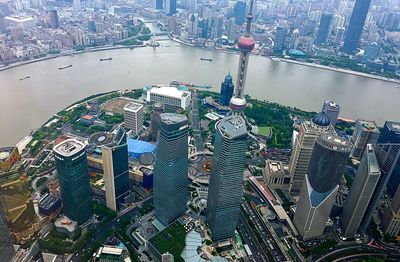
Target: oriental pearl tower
(246,44)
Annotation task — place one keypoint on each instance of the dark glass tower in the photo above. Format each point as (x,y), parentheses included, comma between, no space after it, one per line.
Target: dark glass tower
(323,29)
(116,170)
(390,133)
(356,26)
(327,164)
(170,7)
(227,88)
(279,40)
(171,168)
(158,4)
(239,12)
(73,175)
(158,109)
(226,190)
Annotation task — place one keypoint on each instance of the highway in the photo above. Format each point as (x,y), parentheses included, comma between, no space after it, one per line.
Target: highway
(196,123)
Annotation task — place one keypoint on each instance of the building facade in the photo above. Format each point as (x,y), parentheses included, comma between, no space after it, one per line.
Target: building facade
(170,192)
(227,88)
(332,110)
(356,25)
(324,29)
(134,117)
(327,164)
(170,7)
(391,217)
(365,133)
(226,189)
(158,109)
(276,175)
(360,194)
(73,175)
(116,170)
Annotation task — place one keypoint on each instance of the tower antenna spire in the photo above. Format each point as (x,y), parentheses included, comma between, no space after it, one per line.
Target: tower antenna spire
(249,18)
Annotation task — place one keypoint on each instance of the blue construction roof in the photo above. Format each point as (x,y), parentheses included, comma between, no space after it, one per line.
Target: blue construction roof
(139,147)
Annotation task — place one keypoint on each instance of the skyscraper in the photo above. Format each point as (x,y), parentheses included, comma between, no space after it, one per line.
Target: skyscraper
(364,184)
(327,164)
(279,40)
(226,189)
(246,45)
(365,132)
(356,25)
(53,19)
(116,170)
(391,217)
(170,190)
(303,148)
(158,109)
(390,133)
(6,245)
(226,90)
(332,110)
(133,117)
(73,175)
(324,29)
(158,4)
(239,12)
(170,7)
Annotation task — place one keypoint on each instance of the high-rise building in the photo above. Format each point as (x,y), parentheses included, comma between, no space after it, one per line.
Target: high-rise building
(170,191)
(356,25)
(327,164)
(324,29)
(158,109)
(365,132)
(390,133)
(53,19)
(391,217)
(73,175)
(388,156)
(246,44)
(77,5)
(170,7)
(227,88)
(226,182)
(303,148)
(133,117)
(239,12)
(116,170)
(158,4)
(6,245)
(364,184)
(279,41)
(332,110)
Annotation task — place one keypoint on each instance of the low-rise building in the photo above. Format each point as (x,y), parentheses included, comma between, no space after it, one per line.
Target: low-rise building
(168,95)
(277,175)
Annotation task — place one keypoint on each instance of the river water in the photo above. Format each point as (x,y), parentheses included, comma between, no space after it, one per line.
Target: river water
(27,104)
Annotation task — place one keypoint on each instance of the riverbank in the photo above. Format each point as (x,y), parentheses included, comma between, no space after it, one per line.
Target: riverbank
(345,71)
(69,53)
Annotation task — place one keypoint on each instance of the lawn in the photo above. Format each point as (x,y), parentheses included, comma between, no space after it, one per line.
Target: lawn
(265,131)
(171,239)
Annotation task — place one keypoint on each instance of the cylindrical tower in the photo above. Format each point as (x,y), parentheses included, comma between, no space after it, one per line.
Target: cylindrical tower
(158,109)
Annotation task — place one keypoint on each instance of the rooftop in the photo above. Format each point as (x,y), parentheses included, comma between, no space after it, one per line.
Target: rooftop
(69,147)
(169,91)
(133,107)
(18,18)
(368,125)
(232,126)
(275,166)
(334,142)
(66,223)
(373,166)
(393,126)
(331,105)
(170,118)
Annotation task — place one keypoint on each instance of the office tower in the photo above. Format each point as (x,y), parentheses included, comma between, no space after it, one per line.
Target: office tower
(365,132)
(158,4)
(279,41)
(133,117)
(167,257)
(245,44)
(332,110)
(226,181)
(77,5)
(17,205)
(170,7)
(364,184)
(391,218)
(371,51)
(6,245)
(170,190)
(303,148)
(73,175)
(324,29)
(356,25)
(239,12)
(388,156)
(390,133)
(320,186)
(227,88)
(116,170)
(192,6)
(158,109)
(53,19)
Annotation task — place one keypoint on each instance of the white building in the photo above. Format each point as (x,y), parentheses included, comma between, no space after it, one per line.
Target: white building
(16,21)
(133,117)
(169,95)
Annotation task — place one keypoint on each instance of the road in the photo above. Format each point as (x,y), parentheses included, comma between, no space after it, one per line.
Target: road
(196,123)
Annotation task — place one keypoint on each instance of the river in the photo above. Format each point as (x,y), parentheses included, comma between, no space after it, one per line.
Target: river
(27,104)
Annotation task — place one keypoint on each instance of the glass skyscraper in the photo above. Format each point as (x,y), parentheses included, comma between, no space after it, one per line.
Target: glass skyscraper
(116,170)
(356,25)
(227,88)
(226,182)
(170,192)
(323,29)
(73,175)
